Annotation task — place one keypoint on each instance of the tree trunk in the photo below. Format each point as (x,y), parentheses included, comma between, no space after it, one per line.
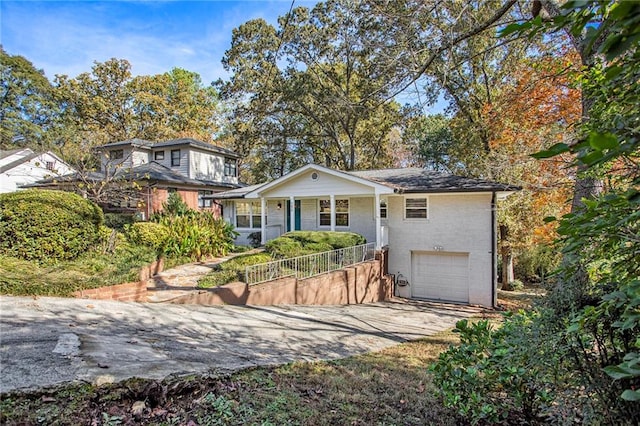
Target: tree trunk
(507,259)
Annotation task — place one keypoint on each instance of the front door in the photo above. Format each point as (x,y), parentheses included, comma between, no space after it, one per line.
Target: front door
(296,207)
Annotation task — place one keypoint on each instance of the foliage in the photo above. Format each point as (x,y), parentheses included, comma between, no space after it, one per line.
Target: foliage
(150,234)
(537,264)
(592,312)
(47,225)
(109,104)
(174,206)
(29,112)
(503,375)
(232,270)
(197,235)
(300,243)
(118,220)
(310,90)
(93,269)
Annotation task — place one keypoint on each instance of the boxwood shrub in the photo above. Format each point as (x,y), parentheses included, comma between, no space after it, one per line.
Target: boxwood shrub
(47,225)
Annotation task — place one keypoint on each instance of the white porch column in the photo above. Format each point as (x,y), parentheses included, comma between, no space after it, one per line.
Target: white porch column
(333,212)
(263,220)
(292,213)
(376,209)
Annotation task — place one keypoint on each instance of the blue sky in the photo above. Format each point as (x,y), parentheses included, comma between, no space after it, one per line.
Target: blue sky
(66,37)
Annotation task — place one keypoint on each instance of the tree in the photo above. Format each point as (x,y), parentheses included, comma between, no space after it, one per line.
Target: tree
(109,104)
(311,87)
(28,108)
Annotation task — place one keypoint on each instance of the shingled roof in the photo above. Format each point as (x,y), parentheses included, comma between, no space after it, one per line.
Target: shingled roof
(140,143)
(416,180)
(151,171)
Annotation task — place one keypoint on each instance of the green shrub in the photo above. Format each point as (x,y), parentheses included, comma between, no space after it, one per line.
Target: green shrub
(501,376)
(300,243)
(118,221)
(150,234)
(198,235)
(536,264)
(232,270)
(47,225)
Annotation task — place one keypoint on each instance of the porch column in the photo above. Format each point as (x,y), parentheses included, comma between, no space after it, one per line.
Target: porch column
(376,209)
(263,220)
(333,212)
(292,213)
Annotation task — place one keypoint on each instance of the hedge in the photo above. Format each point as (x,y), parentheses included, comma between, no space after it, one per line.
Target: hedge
(47,225)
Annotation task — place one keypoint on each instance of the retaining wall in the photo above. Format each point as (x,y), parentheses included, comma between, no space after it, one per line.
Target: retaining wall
(128,292)
(362,283)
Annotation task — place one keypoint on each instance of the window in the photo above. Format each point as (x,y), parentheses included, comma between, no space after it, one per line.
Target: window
(415,208)
(248,215)
(230,167)
(175,157)
(50,165)
(342,212)
(159,155)
(116,154)
(204,203)
(383,209)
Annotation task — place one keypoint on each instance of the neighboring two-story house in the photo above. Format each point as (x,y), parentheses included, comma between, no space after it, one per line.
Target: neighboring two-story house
(189,167)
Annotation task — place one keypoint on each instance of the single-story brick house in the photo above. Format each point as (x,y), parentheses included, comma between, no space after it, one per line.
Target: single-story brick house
(440,229)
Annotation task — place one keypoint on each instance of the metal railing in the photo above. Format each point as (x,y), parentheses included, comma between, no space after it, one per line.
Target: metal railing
(309,265)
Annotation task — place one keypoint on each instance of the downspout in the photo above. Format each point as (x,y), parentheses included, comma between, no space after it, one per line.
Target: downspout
(494,249)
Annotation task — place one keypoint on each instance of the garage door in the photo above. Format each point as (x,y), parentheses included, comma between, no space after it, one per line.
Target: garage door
(440,276)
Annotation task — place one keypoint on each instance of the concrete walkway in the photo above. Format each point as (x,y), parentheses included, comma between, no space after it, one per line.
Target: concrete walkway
(183,279)
(48,341)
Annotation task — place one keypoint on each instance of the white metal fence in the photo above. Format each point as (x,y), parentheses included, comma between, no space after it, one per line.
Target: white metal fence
(309,265)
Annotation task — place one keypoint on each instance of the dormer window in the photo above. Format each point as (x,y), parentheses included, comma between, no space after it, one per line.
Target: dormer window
(230,167)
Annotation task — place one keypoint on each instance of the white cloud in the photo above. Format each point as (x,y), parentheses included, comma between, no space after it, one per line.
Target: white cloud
(67,37)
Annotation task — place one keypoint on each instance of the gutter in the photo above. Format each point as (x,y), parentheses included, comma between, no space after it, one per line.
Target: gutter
(494,248)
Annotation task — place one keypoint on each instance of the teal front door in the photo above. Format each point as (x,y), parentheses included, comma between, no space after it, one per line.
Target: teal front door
(296,221)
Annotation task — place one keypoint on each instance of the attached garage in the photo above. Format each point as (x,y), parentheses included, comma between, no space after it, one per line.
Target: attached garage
(440,276)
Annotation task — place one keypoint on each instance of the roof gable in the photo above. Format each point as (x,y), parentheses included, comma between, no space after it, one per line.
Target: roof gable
(314,180)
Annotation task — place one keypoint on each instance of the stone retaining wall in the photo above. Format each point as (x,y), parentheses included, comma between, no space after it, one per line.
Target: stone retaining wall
(127,292)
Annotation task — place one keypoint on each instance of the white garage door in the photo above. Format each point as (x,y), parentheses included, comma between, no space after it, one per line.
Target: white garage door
(440,276)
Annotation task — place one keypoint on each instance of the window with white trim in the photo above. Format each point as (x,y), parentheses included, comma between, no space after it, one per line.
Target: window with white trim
(415,208)
(175,157)
(342,212)
(248,214)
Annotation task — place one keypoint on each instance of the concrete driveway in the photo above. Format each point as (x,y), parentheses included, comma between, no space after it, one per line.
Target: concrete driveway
(48,341)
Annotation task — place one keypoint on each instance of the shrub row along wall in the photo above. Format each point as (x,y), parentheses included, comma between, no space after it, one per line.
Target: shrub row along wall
(362,283)
(127,292)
